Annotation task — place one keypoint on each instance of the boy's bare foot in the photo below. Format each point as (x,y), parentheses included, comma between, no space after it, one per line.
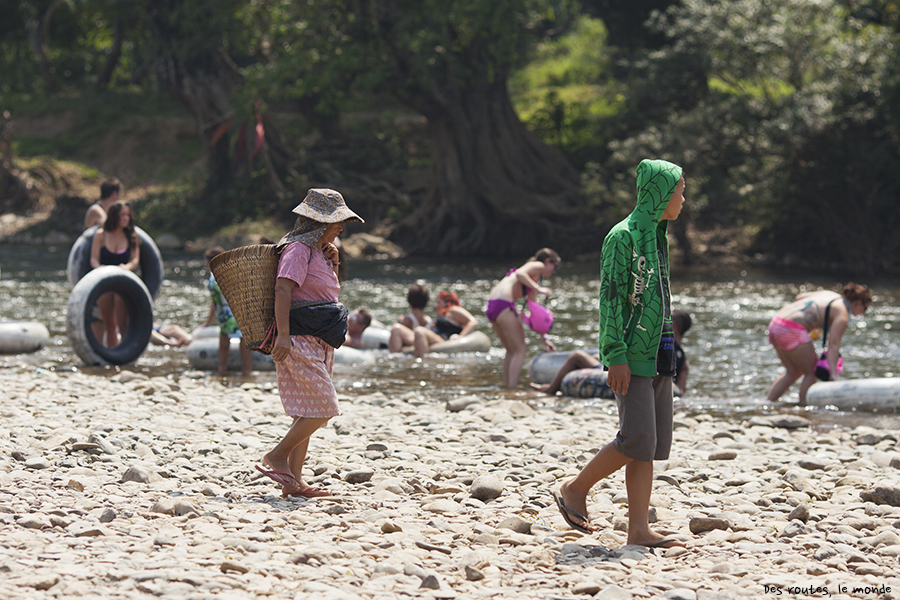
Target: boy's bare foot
(573,510)
(657,541)
(540,387)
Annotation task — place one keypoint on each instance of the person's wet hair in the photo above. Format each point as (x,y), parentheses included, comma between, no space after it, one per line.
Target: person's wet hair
(545,254)
(112,221)
(682,320)
(110,187)
(417,296)
(857,291)
(449,298)
(365,317)
(213,252)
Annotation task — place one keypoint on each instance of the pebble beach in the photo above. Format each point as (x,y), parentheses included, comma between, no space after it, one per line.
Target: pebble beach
(133,486)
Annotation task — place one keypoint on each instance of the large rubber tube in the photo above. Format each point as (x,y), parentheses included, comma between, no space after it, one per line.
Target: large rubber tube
(375,338)
(477,341)
(586,383)
(544,366)
(345,355)
(203,354)
(80,314)
(151,264)
(849,394)
(20,337)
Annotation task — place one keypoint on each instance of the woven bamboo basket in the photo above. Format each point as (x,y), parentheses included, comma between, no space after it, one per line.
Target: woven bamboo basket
(246,276)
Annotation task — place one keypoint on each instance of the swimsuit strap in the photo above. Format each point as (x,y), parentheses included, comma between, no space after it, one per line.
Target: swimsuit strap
(825,324)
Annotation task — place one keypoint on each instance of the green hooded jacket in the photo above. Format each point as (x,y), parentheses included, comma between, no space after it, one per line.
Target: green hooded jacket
(632,298)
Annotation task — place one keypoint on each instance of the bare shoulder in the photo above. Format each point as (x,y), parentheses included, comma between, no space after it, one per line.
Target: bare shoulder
(460,311)
(532,267)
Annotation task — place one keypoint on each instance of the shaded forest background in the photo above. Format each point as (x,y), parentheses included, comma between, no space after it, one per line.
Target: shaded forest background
(470,128)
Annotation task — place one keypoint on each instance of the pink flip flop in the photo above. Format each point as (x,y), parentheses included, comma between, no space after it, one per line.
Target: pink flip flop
(285,478)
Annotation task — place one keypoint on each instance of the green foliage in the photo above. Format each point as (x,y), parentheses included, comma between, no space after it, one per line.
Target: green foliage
(784,81)
(782,112)
(333,55)
(75,37)
(565,90)
(93,120)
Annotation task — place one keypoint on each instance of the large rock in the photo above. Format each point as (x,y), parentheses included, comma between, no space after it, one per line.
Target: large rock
(140,474)
(701,524)
(486,487)
(169,241)
(363,245)
(882,494)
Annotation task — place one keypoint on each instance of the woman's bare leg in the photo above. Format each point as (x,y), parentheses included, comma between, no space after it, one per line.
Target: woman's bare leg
(511,333)
(422,340)
(401,335)
(285,455)
(296,459)
(224,348)
(106,303)
(579,359)
(801,361)
(121,312)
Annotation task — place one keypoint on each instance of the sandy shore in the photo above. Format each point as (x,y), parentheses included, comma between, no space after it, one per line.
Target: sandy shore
(131,487)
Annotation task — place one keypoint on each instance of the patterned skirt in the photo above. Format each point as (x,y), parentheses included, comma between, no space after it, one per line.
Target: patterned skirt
(304,379)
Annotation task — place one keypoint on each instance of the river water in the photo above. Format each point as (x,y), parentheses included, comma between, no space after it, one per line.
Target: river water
(732,363)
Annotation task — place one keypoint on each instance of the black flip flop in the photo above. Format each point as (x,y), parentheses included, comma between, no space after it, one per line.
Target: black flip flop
(568,513)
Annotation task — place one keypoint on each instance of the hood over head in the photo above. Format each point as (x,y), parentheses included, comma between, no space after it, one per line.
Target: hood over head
(656,182)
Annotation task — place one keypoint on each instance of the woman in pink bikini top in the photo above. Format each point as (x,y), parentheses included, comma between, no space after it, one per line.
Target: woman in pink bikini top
(794,327)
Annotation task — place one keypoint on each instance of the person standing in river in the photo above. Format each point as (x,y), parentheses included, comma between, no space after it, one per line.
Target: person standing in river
(637,344)
(115,244)
(501,309)
(794,327)
(110,191)
(310,323)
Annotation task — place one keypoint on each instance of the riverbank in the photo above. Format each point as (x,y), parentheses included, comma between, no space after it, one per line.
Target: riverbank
(128,486)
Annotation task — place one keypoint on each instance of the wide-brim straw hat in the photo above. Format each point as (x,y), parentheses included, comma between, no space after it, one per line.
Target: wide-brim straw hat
(326,206)
(246,277)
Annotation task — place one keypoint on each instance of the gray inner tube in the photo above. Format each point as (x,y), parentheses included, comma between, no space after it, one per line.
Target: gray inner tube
(151,264)
(80,314)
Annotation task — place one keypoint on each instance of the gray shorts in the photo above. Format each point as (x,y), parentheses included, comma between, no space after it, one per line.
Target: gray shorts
(645,419)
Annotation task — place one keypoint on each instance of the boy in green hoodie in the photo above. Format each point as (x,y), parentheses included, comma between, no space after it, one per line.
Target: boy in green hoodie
(637,344)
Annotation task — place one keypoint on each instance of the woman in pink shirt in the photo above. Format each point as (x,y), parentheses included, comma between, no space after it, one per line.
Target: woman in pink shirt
(307,278)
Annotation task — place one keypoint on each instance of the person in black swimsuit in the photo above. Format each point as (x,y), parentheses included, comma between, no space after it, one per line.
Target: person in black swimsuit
(453,321)
(115,244)
(681,322)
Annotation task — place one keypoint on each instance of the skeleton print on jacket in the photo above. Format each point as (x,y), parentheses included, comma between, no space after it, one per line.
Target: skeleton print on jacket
(635,315)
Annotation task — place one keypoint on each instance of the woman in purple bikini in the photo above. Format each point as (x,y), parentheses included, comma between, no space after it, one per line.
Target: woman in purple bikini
(501,309)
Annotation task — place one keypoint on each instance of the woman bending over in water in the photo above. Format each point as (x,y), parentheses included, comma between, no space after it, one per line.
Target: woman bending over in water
(501,309)
(794,327)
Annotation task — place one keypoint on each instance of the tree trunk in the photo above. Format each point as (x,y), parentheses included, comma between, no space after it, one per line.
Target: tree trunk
(112,59)
(204,88)
(38,33)
(201,76)
(679,228)
(17,193)
(495,188)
